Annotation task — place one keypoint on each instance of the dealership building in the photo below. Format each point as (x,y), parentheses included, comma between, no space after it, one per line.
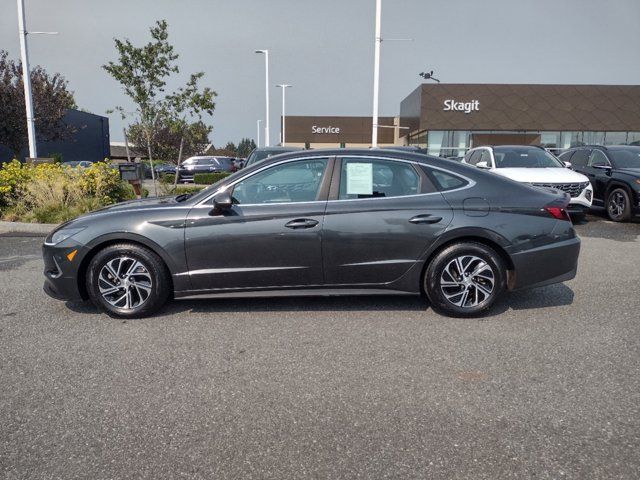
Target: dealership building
(448,119)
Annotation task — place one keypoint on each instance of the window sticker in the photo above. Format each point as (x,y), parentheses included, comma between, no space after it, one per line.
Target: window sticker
(359,179)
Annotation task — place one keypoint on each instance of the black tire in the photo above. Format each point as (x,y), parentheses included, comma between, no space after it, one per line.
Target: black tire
(435,276)
(151,275)
(619,205)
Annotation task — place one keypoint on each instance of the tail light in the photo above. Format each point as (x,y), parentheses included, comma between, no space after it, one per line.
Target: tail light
(558,213)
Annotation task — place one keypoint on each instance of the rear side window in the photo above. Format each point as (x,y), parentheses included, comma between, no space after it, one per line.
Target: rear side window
(373,178)
(580,158)
(447,181)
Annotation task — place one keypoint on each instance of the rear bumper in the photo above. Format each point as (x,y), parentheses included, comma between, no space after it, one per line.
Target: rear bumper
(553,263)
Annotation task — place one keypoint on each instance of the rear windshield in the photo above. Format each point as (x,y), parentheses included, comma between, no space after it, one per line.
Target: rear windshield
(510,157)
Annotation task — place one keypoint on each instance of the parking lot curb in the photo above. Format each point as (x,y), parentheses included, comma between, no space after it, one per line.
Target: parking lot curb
(30,228)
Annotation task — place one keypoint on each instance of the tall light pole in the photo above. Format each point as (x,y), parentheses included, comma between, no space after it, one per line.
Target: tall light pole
(376,75)
(26,78)
(258,133)
(284,87)
(266,91)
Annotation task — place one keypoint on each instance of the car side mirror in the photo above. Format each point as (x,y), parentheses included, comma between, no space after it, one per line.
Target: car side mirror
(222,202)
(482,165)
(567,164)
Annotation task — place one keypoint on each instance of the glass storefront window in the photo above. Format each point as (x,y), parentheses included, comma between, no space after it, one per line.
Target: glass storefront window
(570,139)
(633,138)
(593,138)
(550,139)
(615,138)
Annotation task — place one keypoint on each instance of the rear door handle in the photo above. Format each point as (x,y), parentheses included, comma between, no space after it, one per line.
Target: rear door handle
(301,223)
(424,219)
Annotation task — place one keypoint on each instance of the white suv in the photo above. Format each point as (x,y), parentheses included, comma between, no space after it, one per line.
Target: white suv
(537,167)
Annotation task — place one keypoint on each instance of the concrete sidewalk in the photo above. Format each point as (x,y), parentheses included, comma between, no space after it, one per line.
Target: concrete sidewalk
(29,228)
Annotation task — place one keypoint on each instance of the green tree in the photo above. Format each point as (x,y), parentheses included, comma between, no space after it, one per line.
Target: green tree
(51,99)
(143,73)
(245,147)
(230,146)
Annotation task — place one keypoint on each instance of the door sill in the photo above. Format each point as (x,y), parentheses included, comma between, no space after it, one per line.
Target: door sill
(303,292)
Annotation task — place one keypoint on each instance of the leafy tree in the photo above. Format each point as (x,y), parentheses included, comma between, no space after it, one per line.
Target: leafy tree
(143,73)
(51,99)
(231,147)
(245,147)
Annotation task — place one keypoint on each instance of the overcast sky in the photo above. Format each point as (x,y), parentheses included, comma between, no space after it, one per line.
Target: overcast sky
(325,49)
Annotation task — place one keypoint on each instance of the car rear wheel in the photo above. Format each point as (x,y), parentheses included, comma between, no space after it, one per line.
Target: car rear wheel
(464,279)
(127,280)
(619,205)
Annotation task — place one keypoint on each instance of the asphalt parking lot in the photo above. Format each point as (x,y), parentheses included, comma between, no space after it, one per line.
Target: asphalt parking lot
(546,386)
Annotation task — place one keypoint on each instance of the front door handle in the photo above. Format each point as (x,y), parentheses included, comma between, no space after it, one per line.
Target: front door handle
(424,219)
(301,223)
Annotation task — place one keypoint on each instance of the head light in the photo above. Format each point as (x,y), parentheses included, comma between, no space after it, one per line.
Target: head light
(62,234)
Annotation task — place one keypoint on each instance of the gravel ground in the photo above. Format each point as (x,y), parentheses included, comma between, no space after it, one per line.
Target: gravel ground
(546,386)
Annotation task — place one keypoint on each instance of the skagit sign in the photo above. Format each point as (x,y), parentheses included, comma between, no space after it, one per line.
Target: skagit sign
(466,107)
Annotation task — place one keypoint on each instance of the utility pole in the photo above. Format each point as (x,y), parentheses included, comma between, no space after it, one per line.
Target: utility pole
(266,84)
(283,137)
(26,78)
(258,133)
(376,75)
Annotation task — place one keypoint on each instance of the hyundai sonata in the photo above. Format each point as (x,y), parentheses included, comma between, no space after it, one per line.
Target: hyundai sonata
(321,222)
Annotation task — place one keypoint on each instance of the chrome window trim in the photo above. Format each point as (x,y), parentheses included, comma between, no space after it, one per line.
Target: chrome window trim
(290,160)
(470,182)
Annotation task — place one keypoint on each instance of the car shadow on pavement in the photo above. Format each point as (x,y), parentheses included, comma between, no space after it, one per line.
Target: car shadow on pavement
(597,225)
(543,297)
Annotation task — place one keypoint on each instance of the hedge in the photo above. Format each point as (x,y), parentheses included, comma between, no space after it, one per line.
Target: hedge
(209,178)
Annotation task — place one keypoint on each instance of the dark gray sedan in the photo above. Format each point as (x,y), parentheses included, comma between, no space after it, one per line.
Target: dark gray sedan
(321,222)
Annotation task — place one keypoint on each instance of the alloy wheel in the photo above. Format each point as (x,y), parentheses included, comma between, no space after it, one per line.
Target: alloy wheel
(125,282)
(467,281)
(617,204)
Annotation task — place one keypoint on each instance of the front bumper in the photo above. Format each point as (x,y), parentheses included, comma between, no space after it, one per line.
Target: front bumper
(582,202)
(60,273)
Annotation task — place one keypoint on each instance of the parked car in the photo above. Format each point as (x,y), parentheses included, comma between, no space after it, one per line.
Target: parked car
(261,153)
(78,163)
(537,167)
(614,172)
(321,222)
(202,164)
(165,168)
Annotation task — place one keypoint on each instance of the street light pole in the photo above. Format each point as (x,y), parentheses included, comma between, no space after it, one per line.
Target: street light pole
(258,133)
(283,137)
(376,75)
(266,83)
(26,78)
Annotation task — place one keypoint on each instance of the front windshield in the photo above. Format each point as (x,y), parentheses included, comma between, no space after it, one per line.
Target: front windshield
(626,157)
(523,157)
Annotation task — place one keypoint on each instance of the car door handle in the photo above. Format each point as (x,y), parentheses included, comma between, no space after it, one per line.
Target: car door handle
(301,223)
(424,219)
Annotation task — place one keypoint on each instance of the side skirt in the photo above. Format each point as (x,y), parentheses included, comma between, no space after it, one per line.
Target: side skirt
(306,292)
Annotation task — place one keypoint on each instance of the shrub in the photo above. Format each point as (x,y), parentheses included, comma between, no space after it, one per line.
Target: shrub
(54,193)
(209,178)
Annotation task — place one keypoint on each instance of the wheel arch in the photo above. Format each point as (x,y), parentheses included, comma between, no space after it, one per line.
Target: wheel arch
(490,239)
(104,241)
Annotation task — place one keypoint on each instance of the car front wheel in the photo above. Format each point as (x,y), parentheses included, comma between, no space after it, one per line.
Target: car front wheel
(127,280)
(619,205)
(464,279)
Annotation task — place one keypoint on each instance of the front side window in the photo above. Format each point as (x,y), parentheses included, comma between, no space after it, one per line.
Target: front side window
(297,181)
(486,158)
(474,157)
(598,158)
(373,178)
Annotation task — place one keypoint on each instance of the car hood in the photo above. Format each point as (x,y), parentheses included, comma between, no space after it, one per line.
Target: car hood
(629,171)
(142,204)
(541,175)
